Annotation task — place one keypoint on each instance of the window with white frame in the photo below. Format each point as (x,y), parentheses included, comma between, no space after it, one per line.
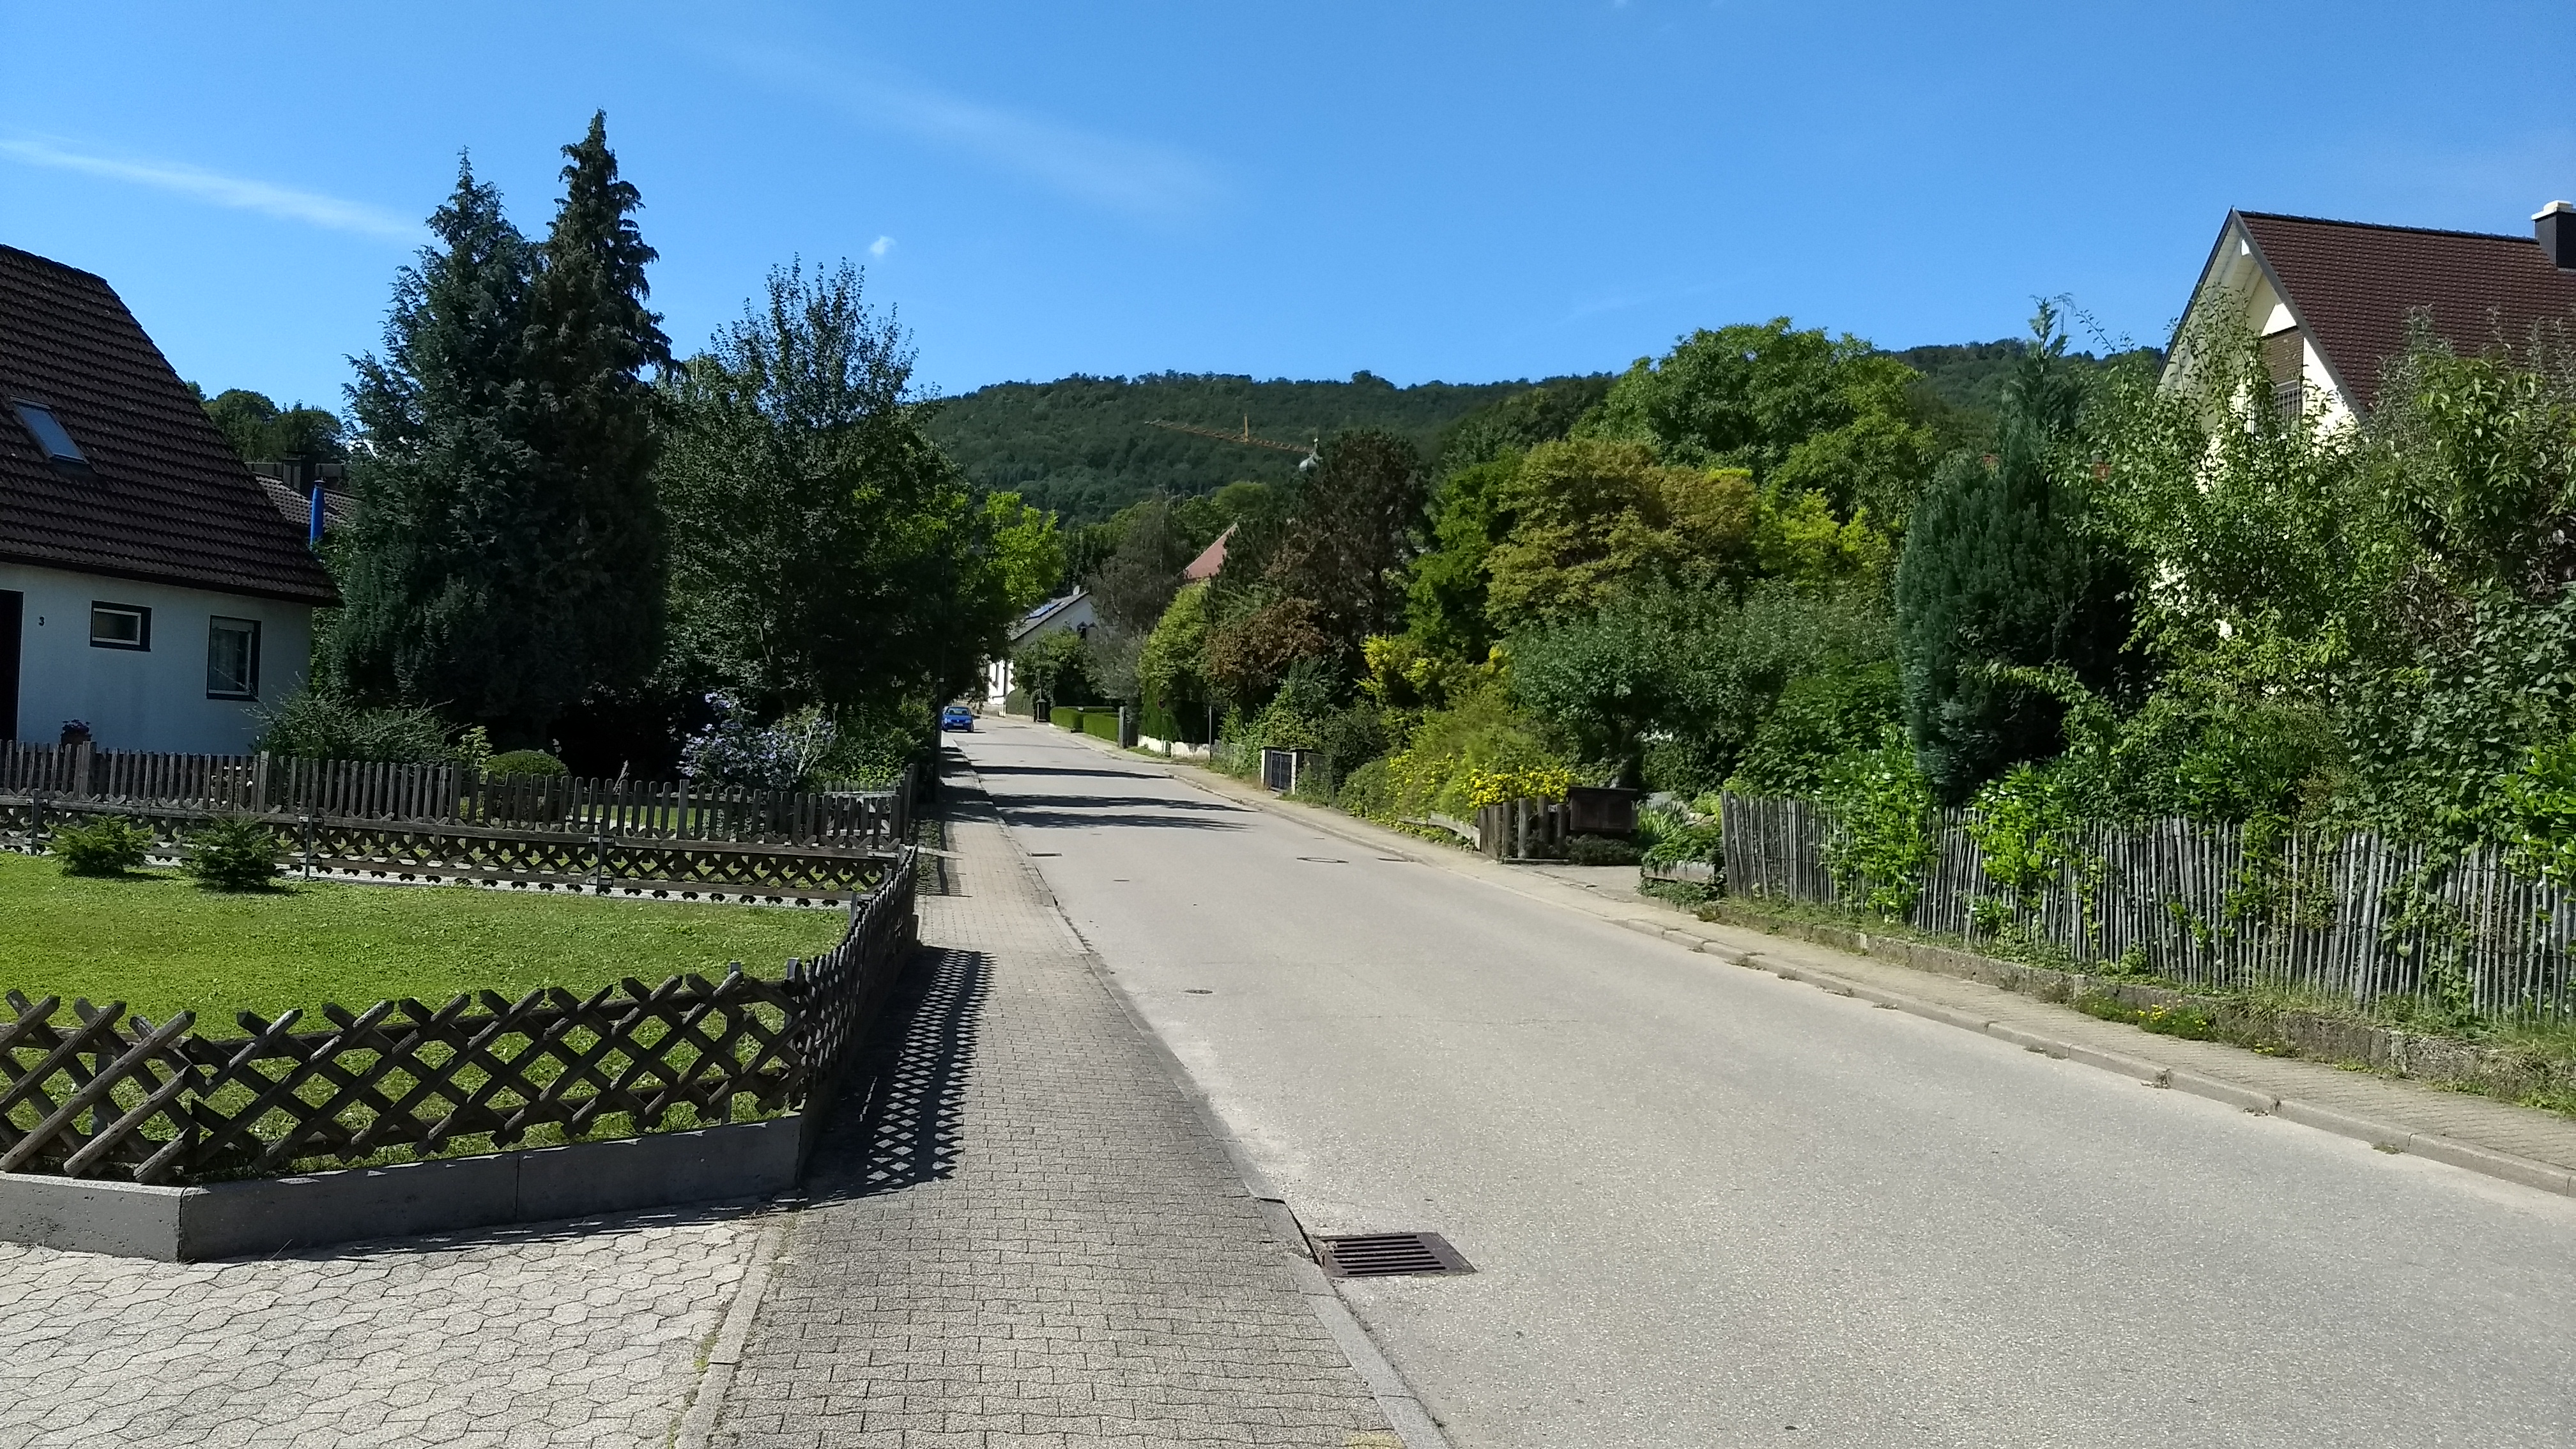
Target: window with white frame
(120,626)
(232,659)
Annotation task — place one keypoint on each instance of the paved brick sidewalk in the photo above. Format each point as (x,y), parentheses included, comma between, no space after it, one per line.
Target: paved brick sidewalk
(1027,1236)
(571,1334)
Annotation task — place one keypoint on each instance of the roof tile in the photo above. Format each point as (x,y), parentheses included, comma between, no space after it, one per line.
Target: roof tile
(164,497)
(2353,285)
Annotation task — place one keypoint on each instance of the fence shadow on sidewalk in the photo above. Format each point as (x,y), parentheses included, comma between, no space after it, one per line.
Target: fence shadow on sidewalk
(899,1121)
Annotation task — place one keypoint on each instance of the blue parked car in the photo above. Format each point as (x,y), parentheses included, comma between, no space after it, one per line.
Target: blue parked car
(957,717)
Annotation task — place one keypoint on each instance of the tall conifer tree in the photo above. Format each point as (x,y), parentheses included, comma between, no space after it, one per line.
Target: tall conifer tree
(445,571)
(2001,567)
(590,407)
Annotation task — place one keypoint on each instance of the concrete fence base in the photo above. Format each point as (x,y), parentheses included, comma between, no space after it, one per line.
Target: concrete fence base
(268,1215)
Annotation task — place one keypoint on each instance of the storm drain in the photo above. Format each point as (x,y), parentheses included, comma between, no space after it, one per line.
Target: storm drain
(1384,1255)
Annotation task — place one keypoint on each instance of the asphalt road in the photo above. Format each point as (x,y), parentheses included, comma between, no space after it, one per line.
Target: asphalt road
(1710,1207)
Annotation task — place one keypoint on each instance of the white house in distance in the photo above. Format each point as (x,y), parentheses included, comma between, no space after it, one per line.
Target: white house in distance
(2330,299)
(1072,611)
(149,588)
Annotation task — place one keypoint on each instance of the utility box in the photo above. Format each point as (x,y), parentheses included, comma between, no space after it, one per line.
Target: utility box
(1601,810)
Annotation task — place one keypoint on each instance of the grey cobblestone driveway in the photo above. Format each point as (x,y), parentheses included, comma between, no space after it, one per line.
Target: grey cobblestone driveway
(1027,1236)
(571,1335)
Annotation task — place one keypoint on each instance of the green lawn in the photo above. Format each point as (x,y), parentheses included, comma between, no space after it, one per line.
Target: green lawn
(161,945)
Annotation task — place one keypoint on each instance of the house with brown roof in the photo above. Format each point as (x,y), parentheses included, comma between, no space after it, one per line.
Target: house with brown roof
(150,590)
(2330,300)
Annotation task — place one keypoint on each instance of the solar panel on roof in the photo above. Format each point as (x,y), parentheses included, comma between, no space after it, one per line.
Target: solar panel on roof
(49,434)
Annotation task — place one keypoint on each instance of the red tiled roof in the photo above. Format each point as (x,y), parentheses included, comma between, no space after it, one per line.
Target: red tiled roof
(164,498)
(1210,559)
(2352,286)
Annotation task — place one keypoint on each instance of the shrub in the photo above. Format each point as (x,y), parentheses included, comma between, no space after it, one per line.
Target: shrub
(106,846)
(314,726)
(1678,843)
(1369,791)
(1601,850)
(525,764)
(233,853)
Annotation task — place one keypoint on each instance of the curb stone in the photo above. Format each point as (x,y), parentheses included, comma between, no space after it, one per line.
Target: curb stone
(706,1406)
(2486,1161)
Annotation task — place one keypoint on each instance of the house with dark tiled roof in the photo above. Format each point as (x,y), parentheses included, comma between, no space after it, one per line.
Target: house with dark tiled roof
(150,589)
(2330,300)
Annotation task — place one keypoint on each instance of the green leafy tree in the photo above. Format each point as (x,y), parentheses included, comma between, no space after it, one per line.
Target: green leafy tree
(1357,522)
(262,432)
(1589,516)
(1136,581)
(590,418)
(2005,567)
(824,551)
(1027,550)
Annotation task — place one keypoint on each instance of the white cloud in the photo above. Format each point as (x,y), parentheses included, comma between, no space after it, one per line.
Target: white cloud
(283,202)
(1106,171)
(881,246)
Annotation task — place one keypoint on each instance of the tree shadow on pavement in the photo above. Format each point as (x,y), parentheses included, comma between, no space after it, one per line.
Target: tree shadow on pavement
(1024,818)
(1058,770)
(1018,803)
(898,1123)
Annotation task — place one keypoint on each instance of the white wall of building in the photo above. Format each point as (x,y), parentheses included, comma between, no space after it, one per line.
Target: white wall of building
(150,699)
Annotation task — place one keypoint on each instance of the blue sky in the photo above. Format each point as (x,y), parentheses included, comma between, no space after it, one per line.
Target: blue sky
(1452,191)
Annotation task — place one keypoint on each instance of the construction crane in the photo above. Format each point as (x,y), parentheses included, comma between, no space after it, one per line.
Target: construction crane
(1311,450)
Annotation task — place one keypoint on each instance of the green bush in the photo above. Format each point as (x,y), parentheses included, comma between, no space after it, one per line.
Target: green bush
(1678,843)
(106,846)
(1065,717)
(1101,724)
(313,726)
(1600,850)
(1369,791)
(525,764)
(233,853)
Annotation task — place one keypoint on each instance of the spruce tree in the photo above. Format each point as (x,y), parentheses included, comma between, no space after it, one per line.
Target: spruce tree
(2002,567)
(445,572)
(591,417)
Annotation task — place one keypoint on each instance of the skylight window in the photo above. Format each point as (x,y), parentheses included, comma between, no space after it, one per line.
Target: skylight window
(48,432)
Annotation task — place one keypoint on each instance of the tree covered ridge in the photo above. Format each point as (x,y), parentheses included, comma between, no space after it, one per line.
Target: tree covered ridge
(1084,447)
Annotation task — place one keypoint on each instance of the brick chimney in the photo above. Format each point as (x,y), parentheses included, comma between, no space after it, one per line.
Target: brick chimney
(2554,227)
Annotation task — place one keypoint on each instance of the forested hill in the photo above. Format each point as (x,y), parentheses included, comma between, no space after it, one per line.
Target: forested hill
(1083,447)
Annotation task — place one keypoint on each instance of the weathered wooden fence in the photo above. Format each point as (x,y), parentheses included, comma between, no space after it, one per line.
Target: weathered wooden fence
(359,789)
(91,1092)
(2353,916)
(429,852)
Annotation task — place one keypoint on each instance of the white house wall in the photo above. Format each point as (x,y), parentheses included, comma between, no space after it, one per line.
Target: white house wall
(152,699)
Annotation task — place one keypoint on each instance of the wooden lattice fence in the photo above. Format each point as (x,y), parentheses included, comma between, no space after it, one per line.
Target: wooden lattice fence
(92,1092)
(2351,916)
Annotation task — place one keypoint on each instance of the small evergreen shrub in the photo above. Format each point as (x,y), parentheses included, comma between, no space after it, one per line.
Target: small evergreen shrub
(106,846)
(524,763)
(233,853)
(1600,850)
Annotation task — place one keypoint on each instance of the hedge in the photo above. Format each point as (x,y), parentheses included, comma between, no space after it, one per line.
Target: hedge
(1066,717)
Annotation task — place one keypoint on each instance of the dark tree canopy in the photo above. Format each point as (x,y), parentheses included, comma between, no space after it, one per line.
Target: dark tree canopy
(505,562)
(590,411)
(2002,569)
(1083,445)
(263,432)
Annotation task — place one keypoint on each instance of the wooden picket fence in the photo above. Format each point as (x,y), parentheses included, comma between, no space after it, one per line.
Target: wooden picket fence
(2352,916)
(360,789)
(90,1091)
(431,853)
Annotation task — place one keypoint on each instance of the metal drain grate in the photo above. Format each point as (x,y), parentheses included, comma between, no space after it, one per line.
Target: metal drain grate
(1383,1255)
